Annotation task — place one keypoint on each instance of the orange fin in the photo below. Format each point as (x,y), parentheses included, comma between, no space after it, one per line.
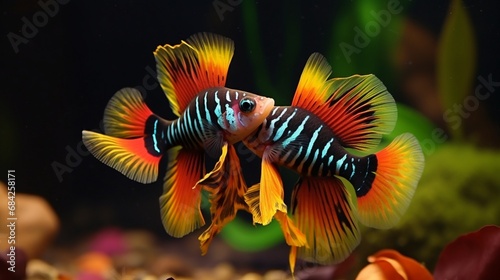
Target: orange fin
(270,193)
(180,201)
(322,210)
(312,88)
(128,156)
(199,63)
(293,236)
(359,109)
(399,168)
(227,188)
(126,114)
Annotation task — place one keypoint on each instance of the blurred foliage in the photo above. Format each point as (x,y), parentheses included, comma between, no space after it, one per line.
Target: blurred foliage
(456,60)
(374,54)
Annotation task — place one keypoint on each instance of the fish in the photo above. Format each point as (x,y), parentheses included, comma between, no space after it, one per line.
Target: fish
(327,136)
(211,118)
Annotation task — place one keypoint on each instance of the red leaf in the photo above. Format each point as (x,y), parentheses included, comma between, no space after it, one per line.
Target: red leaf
(471,256)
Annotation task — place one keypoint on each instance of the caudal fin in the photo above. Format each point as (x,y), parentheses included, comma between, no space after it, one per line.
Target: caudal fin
(398,169)
(134,141)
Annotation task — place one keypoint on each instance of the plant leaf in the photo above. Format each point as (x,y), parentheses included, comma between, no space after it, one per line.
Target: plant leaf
(456,61)
(471,256)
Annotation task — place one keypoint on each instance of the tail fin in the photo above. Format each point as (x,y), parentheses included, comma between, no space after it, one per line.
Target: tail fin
(398,170)
(134,142)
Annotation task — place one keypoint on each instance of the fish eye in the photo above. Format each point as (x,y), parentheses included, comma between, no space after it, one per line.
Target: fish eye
(247,104)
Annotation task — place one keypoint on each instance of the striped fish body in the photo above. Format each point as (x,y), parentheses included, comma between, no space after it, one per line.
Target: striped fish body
(214,115)
(299,140)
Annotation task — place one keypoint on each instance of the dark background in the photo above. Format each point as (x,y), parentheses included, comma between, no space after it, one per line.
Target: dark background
(60,81)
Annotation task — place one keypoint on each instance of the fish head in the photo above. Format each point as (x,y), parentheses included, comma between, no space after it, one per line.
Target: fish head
(243,113)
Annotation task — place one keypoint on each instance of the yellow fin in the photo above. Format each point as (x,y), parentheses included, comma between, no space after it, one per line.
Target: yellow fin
(293,236)
(323,211)
(199,63)
(312,88)
(252,198)
(128,156)
(270,191)
(180,202)
(227,188)
(126,114)
(399,168)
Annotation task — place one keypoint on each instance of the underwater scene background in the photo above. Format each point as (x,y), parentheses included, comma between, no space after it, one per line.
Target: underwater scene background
(61,61)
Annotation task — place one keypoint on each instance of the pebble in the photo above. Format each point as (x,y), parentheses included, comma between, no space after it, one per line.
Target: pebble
(275,275)
(39,223)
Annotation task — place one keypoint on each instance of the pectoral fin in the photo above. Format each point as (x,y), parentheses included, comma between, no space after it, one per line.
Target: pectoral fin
(227,189)
(270,193)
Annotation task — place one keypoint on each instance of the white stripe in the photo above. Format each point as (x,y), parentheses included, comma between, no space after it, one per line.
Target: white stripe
(154,137)
(316,153)
(228,96)
(339,163)
(295,134)
(309,147)
(274,111)
(325,149)
(283,127)
(330,159)
(276,119)
(217,109)
(207,112)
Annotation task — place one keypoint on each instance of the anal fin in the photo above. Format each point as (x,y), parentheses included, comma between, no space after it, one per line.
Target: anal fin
(180,201)
(270,194)
(323,211)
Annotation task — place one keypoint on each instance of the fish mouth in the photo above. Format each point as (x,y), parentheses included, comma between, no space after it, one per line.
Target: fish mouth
(266,104)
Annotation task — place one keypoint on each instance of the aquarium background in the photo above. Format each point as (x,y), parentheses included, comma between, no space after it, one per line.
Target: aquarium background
(58,75)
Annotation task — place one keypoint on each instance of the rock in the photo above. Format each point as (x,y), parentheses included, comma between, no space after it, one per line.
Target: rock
(224,271)
(252,276)
(38,269)
(276,275)
(36,224)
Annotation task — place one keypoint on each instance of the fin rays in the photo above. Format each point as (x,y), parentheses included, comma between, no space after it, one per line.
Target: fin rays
(199,63)
(128,156)
(180,202)
(399,168)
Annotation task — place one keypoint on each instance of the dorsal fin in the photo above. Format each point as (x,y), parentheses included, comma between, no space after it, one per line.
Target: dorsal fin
(311,90)
(358,109)
(196,64)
